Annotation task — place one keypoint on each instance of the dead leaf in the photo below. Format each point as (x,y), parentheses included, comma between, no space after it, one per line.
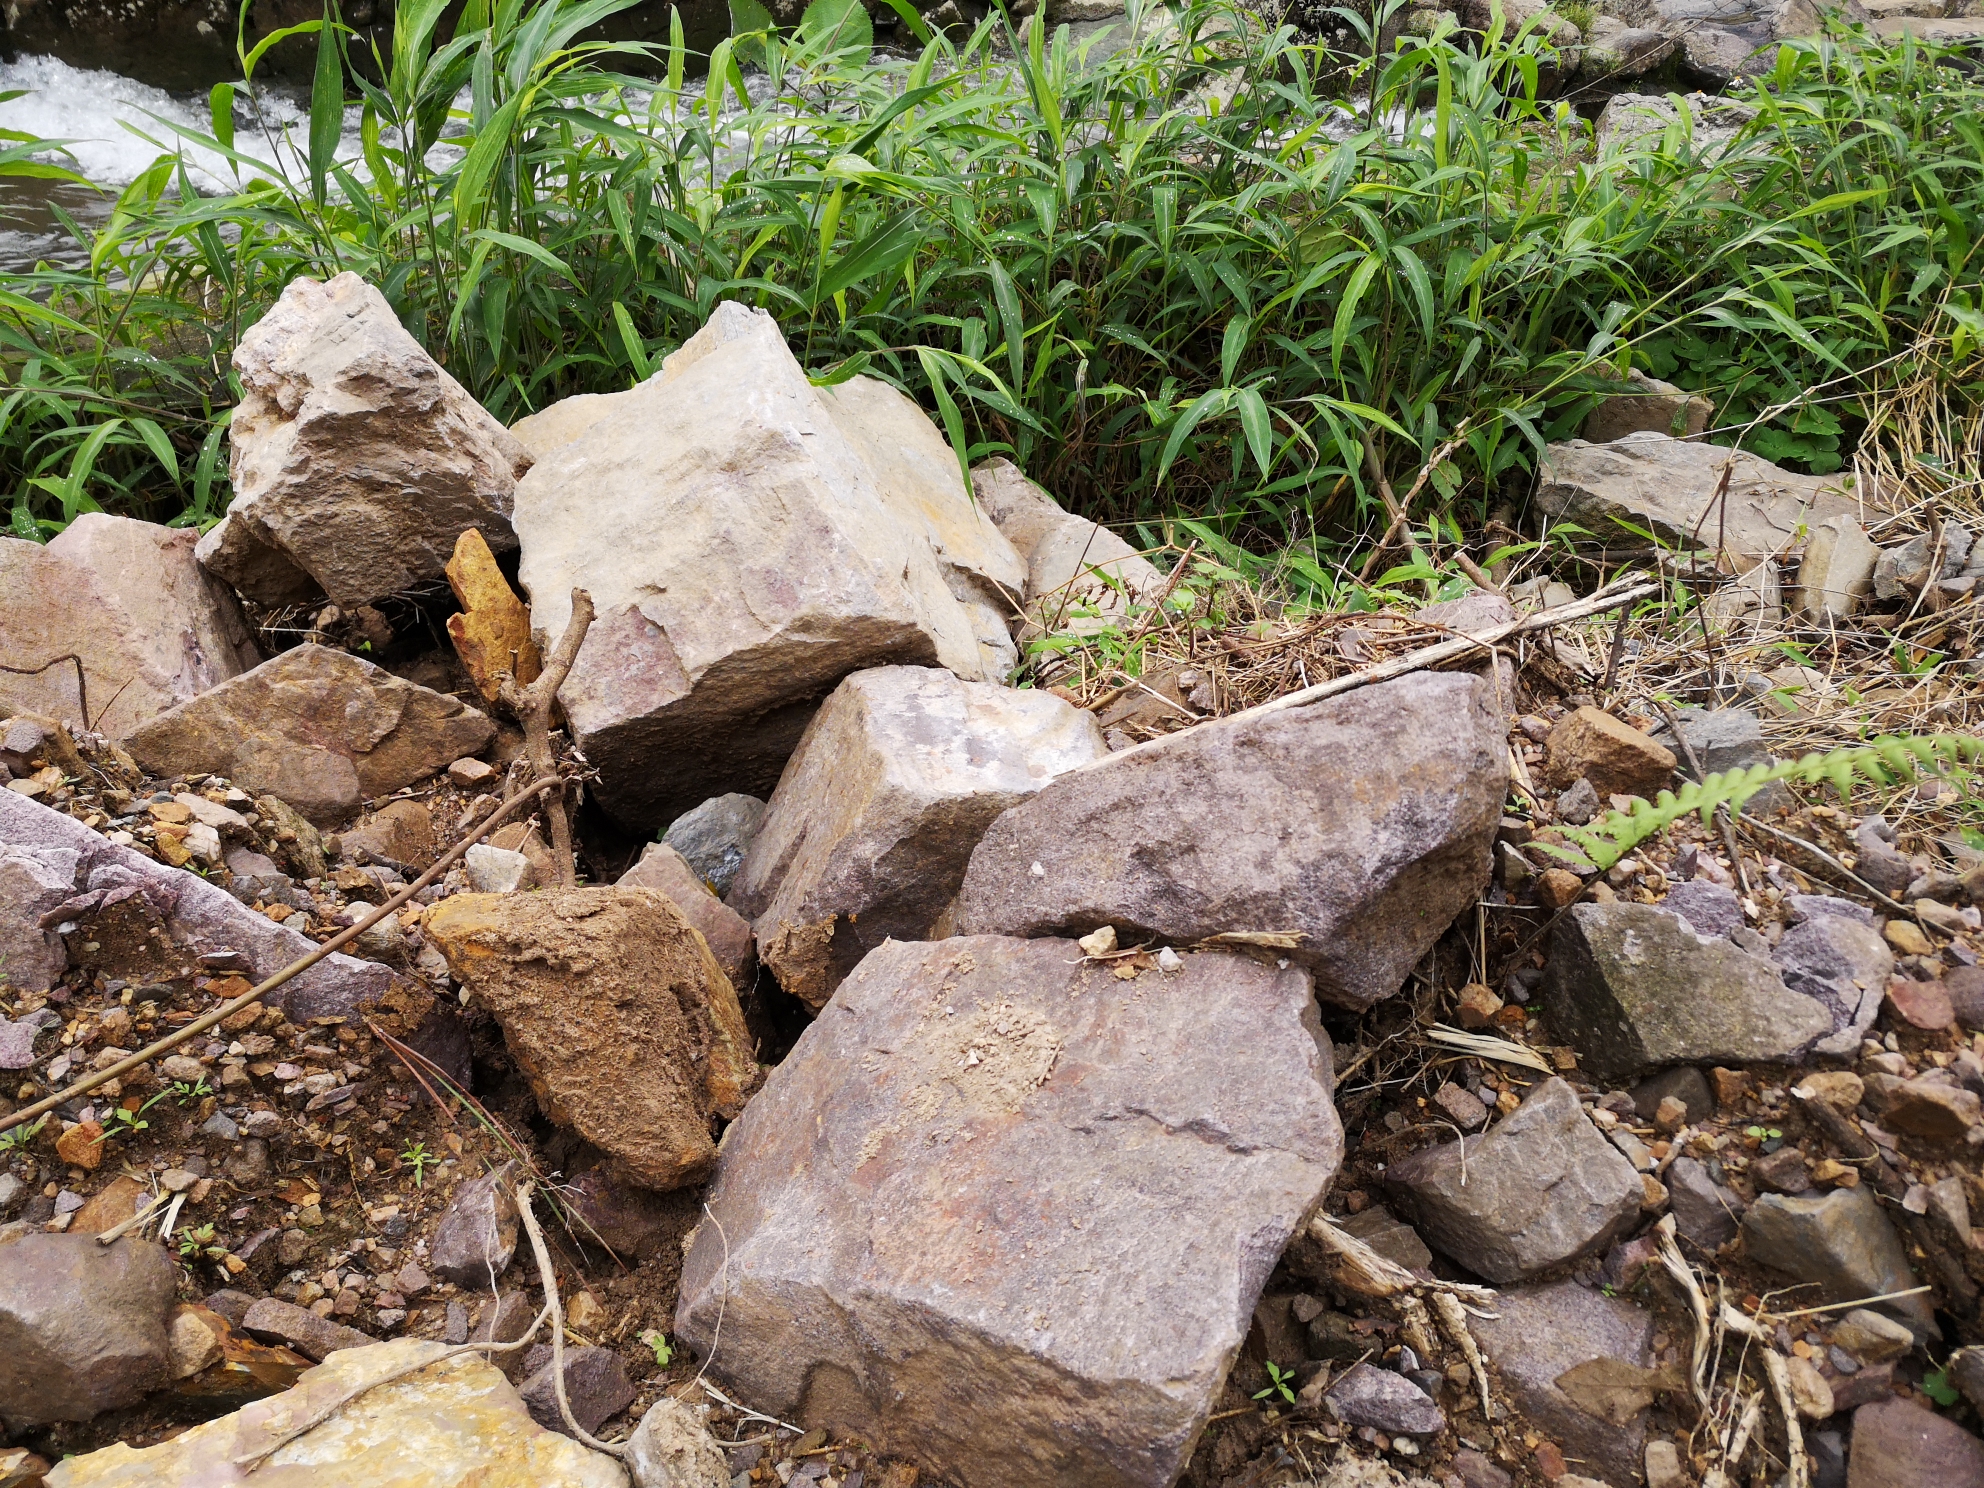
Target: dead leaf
(1612,1389)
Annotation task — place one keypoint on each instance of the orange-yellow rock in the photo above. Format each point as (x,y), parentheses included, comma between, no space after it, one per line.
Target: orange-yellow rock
(492,634)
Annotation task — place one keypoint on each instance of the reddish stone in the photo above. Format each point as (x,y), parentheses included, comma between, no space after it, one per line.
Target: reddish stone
(1922,1004)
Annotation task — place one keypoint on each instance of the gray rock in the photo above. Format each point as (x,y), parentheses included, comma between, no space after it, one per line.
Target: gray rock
(1802,907)
(1841,1242)
(478,1233)
(1705,1212)
(1390,1237)
(1828,1453)
(276,1321)
(1712,123)
(1686,1084)
(1384,1401)
(1643,404)
(1723,739)
(190,912)
(1876,859)
(1632,989)
(1580,803)
(506,1322)
(1710,908)
(1716,56)
(495,870)
(12,1191)
(629,1221)
(82,1326)
(984,1214)
(17,1038)
(1362,824)
(357,461)
(596,1389)
(127,597)
(221,1125)
(715,837)
(1899,1444)
(1616,52)
(1901,571)
(741,567)
(879,809)
(1837,573)
(728,933)
(1669,486)
(1841,963)
(1551,1344)
(1541,1187)
(673,1448)
(320,728)
(1966,1371)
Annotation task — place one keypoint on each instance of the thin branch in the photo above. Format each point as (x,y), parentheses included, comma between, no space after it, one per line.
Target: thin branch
(536,706)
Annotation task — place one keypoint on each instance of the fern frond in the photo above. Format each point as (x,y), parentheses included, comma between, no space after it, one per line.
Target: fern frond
(1894,760)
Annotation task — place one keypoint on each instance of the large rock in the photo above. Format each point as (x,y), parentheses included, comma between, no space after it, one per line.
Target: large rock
(1577,1365)
(949,1223)
(744,552)
(357,461)
(1654,481)
(1360,825)
(664,870)
(193,916)
(1634,989)
(891,787)
(128,598)
(1843,964)
(1899,1444)
(320,728)
(617,1013)
(82,1326)
(1537,1189)
(455,1424)
(1841,1242)
(1644,403)
(1079,577)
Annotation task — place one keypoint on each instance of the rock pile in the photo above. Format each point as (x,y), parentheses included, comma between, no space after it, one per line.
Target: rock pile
(961,1046)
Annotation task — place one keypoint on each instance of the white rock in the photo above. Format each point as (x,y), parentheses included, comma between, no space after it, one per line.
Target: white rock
(1080,577)
(672,1448)
(358,461)
(495,870)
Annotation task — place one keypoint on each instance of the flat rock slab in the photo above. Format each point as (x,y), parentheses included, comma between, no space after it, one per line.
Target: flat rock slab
(617,1013)
(320,728)
(196,915)
(1356,828)
(891,787)
(1843,964)
(82,1326)
(1842,1242)
(128,597)
(1577,1364)
(1634,989)
(666,871)
(357,461)
(1669,485)
(1537,1189)
(1898,1444)
(455,1424)
(746,548)
(952,1214)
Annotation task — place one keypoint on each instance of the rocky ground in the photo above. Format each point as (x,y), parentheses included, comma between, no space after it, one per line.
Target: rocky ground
(1215,1060)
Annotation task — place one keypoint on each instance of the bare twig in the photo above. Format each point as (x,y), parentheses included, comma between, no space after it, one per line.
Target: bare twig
(553,1306)
(295,968)
(536,706)
(82,687)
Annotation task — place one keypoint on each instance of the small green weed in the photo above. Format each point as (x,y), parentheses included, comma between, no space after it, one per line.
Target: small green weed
(418,1158)
(1280,1383)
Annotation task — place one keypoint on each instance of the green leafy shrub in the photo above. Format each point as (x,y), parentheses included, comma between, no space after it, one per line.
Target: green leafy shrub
(1187,276)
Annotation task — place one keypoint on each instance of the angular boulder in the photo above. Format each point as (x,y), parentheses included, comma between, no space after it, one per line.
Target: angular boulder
(668,873)
(320,728)
(1590,744)
(1354,829)
(1900,1444)
(1669,485)
(193,916)
(1537,1189)
(1634,989)
(1079,576)
(949,1221)
(617,1013)
(357,460)
(454,1424)
(1836,575)
(714,837)
(82,1326)
(1578,1365)
(1841,963)
(1645,403)
(152,629)
(477,1235)
(743,554)
(891,787)
(1841,1242)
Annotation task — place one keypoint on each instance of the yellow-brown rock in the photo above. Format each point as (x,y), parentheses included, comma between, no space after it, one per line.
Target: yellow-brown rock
(455,1424)
(616,1011)
(492,634)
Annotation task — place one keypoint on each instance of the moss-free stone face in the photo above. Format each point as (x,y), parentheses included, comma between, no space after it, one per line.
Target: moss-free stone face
(82,1326)
(1008,1214)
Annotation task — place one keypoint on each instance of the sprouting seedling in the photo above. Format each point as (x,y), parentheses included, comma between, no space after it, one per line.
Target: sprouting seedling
(186,1094)
(1280,1382)
(664,1351)
(193,1241)
(418,1157)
